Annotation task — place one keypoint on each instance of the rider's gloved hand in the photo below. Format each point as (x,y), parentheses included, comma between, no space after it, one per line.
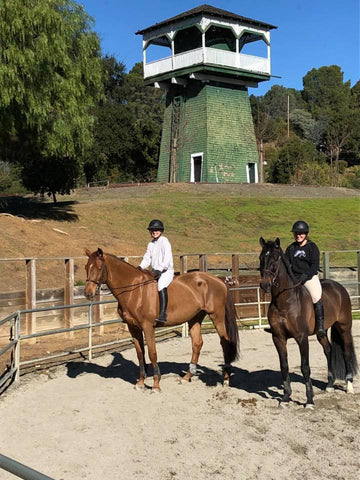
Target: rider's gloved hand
(156,273)
(303,278)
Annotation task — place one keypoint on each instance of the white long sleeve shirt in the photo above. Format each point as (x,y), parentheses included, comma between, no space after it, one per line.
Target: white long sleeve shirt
(158,255)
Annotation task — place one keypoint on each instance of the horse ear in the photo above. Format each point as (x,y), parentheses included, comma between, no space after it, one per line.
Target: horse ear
(261,241)
(277,242)
(87,252)
(99,252)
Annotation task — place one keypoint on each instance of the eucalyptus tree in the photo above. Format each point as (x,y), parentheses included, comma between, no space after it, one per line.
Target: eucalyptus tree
(50,76)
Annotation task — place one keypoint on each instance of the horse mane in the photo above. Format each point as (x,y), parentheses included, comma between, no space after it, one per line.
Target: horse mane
(127,263)
(287,266)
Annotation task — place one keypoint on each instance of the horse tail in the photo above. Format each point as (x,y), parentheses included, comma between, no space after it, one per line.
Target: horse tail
(233,344)
(337,356)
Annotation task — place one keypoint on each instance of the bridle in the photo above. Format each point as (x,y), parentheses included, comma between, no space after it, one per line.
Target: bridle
(99,282)
(274,278)
(273,275)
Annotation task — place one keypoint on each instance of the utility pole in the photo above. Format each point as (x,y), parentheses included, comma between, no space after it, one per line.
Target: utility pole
(288,116)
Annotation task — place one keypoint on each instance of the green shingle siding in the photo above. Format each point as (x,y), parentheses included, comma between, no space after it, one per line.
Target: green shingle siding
(215,120)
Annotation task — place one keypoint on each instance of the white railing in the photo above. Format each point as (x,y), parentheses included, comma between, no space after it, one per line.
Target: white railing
(208,55)
(187,59)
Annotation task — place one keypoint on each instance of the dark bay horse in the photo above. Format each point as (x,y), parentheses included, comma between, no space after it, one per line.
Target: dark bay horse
(191,297)
(291,315)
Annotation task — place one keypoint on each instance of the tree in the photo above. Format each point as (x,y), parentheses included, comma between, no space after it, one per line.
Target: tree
(50,75)
(58,175)
(325,92)
(332,102)
(304,125)
(147,106)
(128,127)
(277,98)
(292,155)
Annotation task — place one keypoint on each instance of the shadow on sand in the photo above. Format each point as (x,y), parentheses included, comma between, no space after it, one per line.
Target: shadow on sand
(265,383)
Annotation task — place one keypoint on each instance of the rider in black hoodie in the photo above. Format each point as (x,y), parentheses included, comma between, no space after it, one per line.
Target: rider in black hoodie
(303,255)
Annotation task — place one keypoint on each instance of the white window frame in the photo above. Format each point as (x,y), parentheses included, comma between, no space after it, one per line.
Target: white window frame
(192,166)
(248,172)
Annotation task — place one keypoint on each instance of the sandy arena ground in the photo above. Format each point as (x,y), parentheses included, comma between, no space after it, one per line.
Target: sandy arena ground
(86,421)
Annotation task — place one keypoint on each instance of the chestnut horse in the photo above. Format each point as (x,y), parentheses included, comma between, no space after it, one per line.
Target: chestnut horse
(191,297)
(291,315)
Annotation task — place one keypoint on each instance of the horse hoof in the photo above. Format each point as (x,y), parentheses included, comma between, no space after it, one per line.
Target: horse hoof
(183,382)
(155,390)
(139,388)
(349,387)
(330,389)
(283,404)
(310,406)
(226,383)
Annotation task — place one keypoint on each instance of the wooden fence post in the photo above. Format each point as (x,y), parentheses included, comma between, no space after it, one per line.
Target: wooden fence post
(202,262)
(358,275)
(30,297)
(69,295)
(235,266)
(326,265)
(183,263)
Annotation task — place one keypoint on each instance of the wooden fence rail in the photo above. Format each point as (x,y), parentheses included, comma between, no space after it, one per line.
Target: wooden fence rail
(235,265)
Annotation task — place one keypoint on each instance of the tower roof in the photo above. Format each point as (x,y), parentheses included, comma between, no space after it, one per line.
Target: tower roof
(210,11)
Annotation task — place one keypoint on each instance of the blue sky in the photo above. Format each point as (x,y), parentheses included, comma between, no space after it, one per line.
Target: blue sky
(310,33)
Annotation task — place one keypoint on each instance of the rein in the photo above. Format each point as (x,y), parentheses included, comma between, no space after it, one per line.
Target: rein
(274,276)
(99,282)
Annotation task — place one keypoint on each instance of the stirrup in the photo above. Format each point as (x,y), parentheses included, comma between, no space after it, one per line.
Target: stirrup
(160,319)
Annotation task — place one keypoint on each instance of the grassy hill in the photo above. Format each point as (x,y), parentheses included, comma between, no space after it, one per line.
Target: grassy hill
(198,218)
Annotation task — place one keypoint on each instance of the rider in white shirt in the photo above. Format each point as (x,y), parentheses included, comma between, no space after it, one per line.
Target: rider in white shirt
(158,255)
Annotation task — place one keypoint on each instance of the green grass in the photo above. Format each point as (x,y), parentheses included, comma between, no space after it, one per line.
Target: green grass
(217,223)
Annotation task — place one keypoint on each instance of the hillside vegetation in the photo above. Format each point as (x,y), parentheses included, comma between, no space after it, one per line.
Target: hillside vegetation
(198,219)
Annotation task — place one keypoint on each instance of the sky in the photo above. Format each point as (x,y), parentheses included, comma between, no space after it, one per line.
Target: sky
(310,33)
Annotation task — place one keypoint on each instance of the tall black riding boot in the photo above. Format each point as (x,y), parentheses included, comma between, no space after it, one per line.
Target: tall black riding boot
(319,318)
(163,300)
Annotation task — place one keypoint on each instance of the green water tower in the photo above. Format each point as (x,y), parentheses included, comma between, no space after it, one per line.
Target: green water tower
(208,132)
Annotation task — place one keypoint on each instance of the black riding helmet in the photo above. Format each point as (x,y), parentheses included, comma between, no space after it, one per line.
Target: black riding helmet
(300,227)
(156,225)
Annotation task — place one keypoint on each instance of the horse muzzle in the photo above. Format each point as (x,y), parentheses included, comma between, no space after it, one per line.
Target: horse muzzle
(265,285)
(89,291)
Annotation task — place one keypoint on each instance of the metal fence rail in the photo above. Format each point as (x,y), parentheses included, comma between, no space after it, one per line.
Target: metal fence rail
(14,320)
(20,470)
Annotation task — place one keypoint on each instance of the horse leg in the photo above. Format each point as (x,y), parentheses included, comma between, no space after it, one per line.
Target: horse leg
(350,361)
(196,343)
(324,342)
(280,344)
(150,341)
(226,345)
(303,343)
(138,340)
(343,357)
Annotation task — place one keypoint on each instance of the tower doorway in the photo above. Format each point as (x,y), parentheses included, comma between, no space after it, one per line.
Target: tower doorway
(196,167)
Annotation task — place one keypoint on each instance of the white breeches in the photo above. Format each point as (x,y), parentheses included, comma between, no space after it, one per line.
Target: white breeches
(165,279)
(314,288)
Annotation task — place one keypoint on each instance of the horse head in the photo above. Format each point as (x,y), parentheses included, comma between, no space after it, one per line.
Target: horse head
(270,258)
(95,273)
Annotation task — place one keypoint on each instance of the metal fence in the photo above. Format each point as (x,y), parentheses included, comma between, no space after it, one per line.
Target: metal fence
(20,470)
(12,372)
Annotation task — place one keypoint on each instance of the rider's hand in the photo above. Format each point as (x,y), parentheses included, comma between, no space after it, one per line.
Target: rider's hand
(157,274)
(303,278)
